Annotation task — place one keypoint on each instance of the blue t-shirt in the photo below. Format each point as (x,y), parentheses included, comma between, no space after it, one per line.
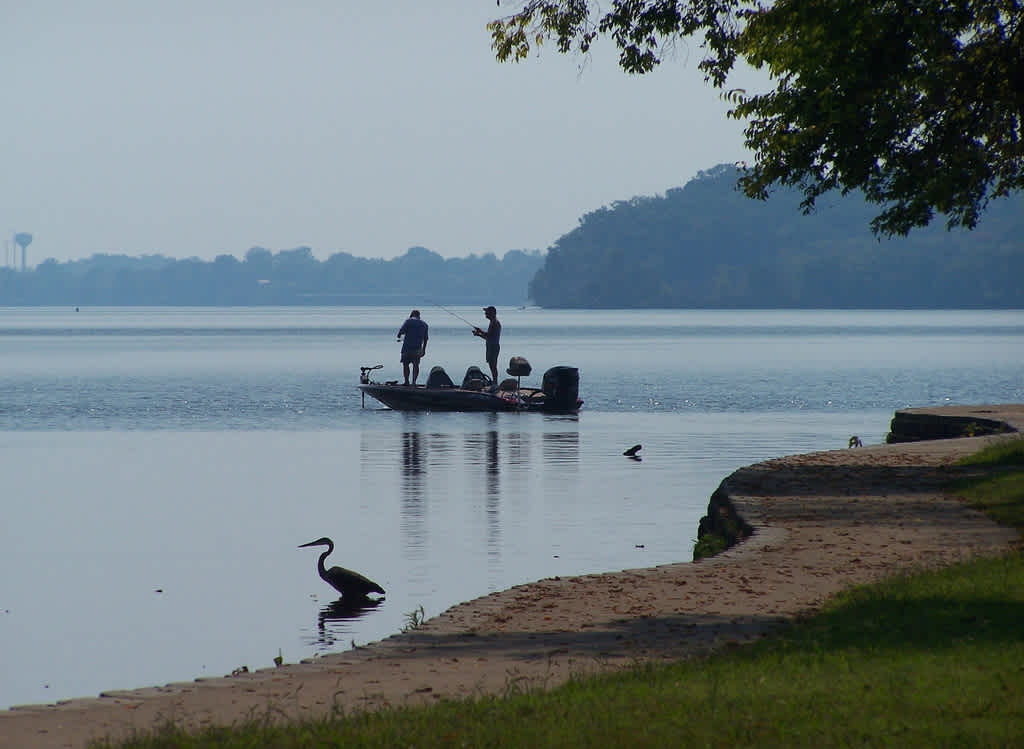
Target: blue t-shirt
(415,332)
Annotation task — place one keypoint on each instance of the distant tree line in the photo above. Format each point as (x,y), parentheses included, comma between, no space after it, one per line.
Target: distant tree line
(287,277)
(707,245)
(704,245)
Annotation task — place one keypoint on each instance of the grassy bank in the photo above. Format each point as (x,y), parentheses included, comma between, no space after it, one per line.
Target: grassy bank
(927,660)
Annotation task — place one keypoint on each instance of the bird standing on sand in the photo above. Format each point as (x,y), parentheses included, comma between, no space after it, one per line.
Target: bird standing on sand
(350,584)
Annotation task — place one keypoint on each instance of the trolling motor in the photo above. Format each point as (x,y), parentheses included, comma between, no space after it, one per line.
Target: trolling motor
(364,378)
(364,373)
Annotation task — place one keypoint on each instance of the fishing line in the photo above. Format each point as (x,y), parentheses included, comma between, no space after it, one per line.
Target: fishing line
(460,317)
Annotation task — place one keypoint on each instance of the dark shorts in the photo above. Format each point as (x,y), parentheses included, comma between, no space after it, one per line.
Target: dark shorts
(411,357)
(492,354)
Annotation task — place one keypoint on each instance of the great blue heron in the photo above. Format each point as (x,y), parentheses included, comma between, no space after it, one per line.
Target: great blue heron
(350,584)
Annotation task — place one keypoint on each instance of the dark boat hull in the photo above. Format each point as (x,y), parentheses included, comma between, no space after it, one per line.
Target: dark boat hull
(420,398)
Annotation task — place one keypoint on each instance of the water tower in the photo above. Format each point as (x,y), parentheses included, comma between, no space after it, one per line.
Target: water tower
(22,240)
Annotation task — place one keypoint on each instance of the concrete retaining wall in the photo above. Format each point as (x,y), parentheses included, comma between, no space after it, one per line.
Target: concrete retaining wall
(728,528)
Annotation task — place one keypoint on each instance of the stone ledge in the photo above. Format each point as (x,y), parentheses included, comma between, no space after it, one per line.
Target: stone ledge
(916,425)
(724,521)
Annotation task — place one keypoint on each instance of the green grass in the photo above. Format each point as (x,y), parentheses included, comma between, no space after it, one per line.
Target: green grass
(998,489)
(1007,452)
(926,660)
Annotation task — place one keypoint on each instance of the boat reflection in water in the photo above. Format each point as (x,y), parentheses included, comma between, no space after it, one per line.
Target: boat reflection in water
(478,486)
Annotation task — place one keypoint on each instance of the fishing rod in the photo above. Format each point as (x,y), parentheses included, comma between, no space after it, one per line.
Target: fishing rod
(460,317)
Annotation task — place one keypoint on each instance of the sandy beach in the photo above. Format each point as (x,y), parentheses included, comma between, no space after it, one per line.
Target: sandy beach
(822,521)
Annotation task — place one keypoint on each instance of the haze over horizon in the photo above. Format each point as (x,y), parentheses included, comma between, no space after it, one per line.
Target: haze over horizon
(194,129)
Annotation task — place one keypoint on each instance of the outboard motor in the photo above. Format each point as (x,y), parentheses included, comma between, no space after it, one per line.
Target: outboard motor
(561,387)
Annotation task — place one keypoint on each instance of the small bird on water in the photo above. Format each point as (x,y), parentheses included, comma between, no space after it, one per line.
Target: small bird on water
(350,584)
(632,452)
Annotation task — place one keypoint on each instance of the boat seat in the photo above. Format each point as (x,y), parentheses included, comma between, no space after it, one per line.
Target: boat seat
(438,378)
(519,367)
(475,379)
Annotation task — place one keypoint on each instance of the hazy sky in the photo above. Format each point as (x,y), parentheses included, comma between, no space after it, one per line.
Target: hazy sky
(199,128)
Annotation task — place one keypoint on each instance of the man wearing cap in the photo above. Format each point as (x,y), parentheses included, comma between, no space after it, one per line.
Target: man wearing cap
(414,346)
(493,337)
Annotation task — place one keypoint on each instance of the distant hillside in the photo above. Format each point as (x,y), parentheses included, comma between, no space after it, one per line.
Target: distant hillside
(706,245)
(288,277)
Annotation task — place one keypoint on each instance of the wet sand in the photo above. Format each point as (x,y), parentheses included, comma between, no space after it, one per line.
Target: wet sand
(823,522)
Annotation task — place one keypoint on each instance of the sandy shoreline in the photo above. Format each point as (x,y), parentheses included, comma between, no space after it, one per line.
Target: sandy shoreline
(823,521)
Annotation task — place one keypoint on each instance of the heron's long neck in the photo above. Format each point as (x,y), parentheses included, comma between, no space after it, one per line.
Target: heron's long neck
(320,563)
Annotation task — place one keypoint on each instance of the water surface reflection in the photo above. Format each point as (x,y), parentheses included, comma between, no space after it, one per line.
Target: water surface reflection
(334,621)
(465,480)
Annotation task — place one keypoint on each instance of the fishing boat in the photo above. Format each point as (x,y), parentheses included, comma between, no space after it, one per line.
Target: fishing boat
(559,392)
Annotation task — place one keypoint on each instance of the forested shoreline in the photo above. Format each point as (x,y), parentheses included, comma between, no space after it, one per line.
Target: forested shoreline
(706,245)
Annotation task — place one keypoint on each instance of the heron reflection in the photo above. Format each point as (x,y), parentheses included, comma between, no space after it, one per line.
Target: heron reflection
(332,619)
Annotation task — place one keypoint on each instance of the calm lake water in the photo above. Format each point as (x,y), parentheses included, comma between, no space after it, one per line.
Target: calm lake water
(159,467)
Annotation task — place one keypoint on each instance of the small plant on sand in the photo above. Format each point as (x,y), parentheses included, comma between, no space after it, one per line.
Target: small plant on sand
(708,545)
(414,619)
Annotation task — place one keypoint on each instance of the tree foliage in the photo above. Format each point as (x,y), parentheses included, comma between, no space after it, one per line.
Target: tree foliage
(918,104)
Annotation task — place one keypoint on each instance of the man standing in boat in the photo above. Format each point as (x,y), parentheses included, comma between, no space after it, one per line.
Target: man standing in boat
(414,346)
(493,337)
